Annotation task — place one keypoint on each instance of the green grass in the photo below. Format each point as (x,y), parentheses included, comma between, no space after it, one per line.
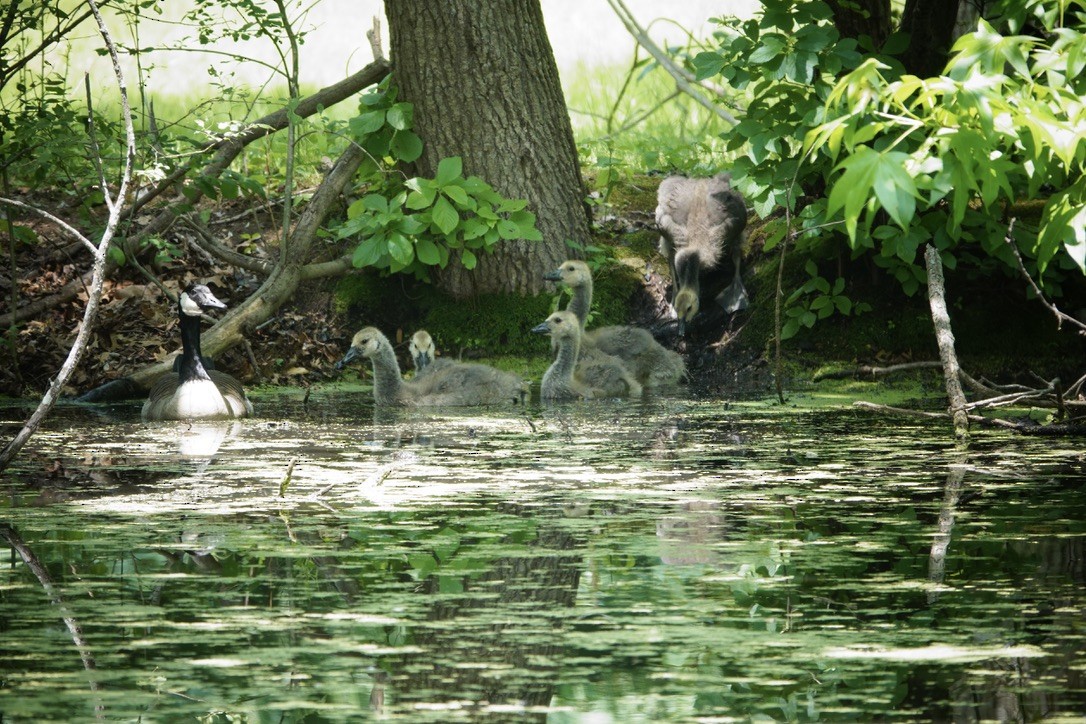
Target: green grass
(613,131)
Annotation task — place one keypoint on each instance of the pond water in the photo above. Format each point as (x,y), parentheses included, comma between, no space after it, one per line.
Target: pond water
(661,560)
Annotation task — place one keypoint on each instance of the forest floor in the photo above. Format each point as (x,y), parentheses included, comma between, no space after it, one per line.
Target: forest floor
(1000,333)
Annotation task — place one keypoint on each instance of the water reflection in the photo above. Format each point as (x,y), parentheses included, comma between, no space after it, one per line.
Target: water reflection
(651,560)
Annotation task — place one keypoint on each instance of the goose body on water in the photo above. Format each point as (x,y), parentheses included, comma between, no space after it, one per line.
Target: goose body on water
(193,392)
(571,376)
(458,384)
(650,363)
(701,220)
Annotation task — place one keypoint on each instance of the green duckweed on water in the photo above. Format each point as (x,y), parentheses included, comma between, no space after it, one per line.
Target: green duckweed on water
(668,559)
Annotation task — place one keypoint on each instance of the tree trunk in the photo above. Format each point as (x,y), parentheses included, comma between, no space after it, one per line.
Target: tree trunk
(930,25)
(485,87)
(867,17)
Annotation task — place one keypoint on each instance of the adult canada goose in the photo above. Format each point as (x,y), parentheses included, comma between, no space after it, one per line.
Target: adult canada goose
(424,354)
(650,363)
(458,384)
(194,392)
(700,219)
(572,377)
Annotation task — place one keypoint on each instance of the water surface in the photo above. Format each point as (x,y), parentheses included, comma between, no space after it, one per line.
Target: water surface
(661,560)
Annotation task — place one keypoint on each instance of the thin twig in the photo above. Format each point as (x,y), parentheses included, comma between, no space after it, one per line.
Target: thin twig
(1060,316)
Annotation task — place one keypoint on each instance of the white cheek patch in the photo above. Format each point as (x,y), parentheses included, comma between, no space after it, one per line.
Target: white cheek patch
(188,306)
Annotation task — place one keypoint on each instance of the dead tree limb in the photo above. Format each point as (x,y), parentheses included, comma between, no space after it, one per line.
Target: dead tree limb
(226,150)
(944,335)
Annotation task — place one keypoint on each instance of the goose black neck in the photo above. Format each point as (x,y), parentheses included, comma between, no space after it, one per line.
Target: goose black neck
(192,365)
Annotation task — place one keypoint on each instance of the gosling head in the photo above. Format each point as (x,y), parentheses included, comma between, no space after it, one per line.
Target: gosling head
(686,307)
(572,273)
(196,298)
(560,325)
(366,343)
(421,347)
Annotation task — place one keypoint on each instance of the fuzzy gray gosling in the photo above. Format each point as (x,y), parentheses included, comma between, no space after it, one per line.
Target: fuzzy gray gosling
(650,363)
(459,384)
(701,219)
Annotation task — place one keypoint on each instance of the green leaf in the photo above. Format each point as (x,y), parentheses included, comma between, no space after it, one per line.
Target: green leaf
(770,48)
(707,64)
(399,116)
(427,252)
(400,248)
(421,199)
(406,146)
(468,259)
(448,170)
(367,253)
(458,195)
(444,215)
(894,187)
(508,230)
(375,202)
(367,123)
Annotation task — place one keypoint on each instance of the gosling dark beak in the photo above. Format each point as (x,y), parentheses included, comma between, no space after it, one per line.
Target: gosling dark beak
(541,328)
(422,360)
(352,354)
(553,276)
(681,324)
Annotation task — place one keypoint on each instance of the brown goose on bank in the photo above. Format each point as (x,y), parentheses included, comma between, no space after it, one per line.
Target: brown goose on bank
(701,220)
(194,392)
(650,363)
(459,384)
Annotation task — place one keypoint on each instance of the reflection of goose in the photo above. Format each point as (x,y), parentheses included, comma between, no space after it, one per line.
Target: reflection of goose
(456,385)
(701,219)
(568,379)
(652,364)
(195,392)
(424,354)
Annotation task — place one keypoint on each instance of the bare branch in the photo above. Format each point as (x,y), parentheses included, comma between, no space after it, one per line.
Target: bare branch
(683,79)
(1060,316)
(59,222)
(99,267)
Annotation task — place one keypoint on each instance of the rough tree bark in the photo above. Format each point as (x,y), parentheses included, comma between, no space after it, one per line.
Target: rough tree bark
(482,77)
(929,23)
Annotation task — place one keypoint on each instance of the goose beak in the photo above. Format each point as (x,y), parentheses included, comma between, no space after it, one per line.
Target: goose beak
(681,324)
(553,276)
(541,328)
(422,360)
(352,354)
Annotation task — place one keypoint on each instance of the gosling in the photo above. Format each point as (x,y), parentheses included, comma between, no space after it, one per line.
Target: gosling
(651,364)
(424,354)
(570,379)
(460,384)
(701,219)
(194,392)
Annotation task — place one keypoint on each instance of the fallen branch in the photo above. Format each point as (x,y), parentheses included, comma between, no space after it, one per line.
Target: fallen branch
(1061,430)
